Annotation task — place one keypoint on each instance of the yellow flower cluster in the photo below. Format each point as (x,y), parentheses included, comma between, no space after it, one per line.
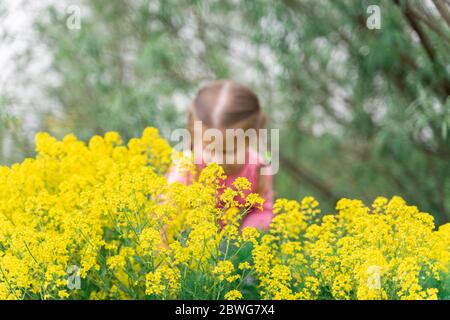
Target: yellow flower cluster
(388,251)
(102,215)
(106,209)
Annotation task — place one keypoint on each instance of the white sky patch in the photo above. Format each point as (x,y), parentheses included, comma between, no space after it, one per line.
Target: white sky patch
(221,102)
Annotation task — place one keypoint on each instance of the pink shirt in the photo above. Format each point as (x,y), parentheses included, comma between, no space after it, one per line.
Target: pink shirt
(255,218)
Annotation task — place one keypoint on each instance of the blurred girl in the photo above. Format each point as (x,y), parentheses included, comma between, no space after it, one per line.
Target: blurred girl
(223,105)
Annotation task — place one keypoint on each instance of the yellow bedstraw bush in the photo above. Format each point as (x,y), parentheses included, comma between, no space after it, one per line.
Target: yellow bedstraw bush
(105,209)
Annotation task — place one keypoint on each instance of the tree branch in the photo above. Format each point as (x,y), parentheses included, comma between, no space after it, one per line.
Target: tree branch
(431,24)
(411,18)
(443,10)
(301,174)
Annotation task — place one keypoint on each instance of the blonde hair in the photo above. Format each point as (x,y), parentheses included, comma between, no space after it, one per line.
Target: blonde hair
(224,104)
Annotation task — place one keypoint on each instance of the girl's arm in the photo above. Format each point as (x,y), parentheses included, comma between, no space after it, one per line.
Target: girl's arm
(261,219)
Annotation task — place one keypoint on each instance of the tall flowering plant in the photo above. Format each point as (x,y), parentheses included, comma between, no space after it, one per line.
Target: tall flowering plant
(106,209)
(102,213)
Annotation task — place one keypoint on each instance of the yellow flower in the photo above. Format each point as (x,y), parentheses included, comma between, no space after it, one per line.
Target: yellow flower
(233,295)
(223,269)
(254,200)
(164,281)
(250,234)
(241,184)
(103,214)
(244,266)
(63,294)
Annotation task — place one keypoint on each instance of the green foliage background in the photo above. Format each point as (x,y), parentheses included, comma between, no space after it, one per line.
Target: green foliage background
(362,112)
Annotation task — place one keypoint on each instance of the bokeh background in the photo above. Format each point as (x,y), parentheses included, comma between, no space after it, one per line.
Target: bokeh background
(362,112)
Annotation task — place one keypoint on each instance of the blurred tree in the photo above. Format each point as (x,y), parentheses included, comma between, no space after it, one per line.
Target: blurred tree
(14,144)
(362,112)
